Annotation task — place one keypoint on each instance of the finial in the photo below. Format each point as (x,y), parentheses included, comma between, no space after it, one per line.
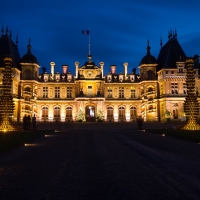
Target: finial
(17,41)
(10,34)
(148,48)
(161,43)
(29,46)
(89,58)
(2,31)
(170,34)
(175,35)
(7,30)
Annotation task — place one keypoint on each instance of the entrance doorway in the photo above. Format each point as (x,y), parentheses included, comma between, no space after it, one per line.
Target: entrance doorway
(90,113)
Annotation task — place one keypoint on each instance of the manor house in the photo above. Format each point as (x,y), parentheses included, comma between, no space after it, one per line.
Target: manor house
(156,90)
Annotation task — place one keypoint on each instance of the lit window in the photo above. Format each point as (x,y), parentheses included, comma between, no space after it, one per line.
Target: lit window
(45,111)
(121,92)
(174,88)
(89,90)
(109,92)
(69,92)
(57,111)
(133,112)
(45,92)
(109,112)
(121,112)
(69,112)
(57,92)
(132,93)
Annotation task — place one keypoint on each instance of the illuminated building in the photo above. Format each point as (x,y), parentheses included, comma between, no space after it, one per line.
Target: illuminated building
(157,92)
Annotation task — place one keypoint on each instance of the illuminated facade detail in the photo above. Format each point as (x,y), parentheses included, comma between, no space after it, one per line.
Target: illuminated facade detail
(6,99)
(191,105)
(149,90)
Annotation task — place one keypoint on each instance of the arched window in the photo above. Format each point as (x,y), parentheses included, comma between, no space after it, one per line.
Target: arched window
(57,111)
(121,112)
(109,112)
(133,112)
(45,111)
(28,89)
(150,89)
(69,112)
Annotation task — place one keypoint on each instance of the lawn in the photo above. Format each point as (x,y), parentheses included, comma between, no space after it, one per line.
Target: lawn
(184,134)
(10,140)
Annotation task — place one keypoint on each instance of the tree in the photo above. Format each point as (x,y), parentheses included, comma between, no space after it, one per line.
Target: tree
(81,116)
(6,99)
(100,115)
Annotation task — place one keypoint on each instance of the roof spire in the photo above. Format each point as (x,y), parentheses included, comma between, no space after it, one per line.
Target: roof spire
(29,46)
(170,34)
(7,30)
(161,43)
(89,58)
(2,31)
(175,35)
(148,48)
(17,41)
(10,34)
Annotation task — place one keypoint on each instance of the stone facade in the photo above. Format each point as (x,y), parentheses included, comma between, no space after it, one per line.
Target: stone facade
(155,91)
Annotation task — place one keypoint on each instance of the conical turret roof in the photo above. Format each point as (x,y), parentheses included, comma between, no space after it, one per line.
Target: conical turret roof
(9,48)
(170,53)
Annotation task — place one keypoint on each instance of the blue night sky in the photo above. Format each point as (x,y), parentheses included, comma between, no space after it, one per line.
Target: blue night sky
(119,29)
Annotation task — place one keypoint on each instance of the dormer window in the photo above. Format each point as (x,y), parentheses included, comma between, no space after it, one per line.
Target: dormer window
(69,77)
(57,78)
(121,78)
(132,78)
(109,78)
(45,77)
(180,69)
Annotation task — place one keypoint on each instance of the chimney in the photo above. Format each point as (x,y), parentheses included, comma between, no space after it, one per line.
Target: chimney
(101,65)
(125,68)
(65,69)
(113,69)
(77,65)
(52,67)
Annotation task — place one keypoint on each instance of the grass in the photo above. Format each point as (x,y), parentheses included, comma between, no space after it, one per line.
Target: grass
(10,140)
(183,134)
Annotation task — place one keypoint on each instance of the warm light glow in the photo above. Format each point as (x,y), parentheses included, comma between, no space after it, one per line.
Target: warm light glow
(115,115)
(51,135)
(163,135)
(30,145)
